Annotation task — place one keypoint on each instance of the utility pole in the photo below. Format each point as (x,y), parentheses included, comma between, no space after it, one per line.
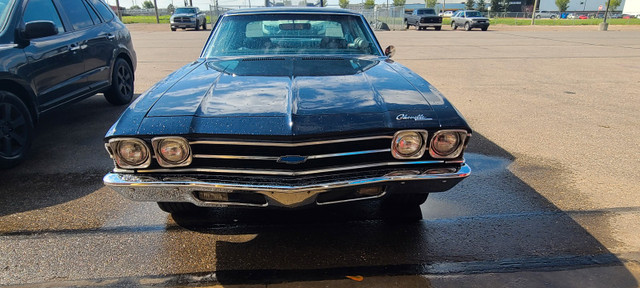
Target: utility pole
(155,6)
(118,8)
(604,25)
(533,14)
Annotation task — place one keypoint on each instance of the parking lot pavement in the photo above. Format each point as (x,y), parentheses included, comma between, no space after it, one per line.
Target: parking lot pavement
(551,201)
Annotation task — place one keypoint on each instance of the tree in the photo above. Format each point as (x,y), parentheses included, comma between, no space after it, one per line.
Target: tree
(147,4)
(430,3)
(344,4)
(469,5)
(135,7)
(614,5)
(482,6)
(368,4)
(399,3)
(562,5)
(170,8)
(495,6)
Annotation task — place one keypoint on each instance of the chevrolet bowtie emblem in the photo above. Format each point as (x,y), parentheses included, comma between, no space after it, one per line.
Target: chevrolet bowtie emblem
(292,159)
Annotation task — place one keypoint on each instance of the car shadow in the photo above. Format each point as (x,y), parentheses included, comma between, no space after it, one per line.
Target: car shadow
(67,159)
(493,222)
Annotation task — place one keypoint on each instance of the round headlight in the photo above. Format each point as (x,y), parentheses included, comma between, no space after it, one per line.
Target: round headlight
(407,144)
(132,153)
(446,143)
(173,151)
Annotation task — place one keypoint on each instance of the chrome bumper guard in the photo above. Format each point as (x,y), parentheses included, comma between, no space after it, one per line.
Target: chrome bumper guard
(138,187)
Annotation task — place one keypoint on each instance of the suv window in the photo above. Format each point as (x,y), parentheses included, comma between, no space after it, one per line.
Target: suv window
(105,12)
(78,14)
(39,10)
(93,14)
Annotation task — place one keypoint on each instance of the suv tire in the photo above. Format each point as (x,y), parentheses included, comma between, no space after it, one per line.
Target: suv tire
(16,130)
(121,90)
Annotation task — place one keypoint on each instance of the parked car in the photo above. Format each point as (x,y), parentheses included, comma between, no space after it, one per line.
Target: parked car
(572,16)
(469,19)
(446,14)
(583,17)
(188,17)
(54,53)
(300,107)
(423,18)
(546,14)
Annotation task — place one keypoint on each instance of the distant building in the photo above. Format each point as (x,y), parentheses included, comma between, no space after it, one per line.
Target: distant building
(631,7)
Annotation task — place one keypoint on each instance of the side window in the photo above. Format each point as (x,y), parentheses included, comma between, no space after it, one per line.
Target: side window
(105,12)
(93,14)
(39,10)
(78,14)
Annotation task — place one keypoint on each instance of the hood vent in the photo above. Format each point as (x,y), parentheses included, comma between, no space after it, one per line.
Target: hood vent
(264,59)
(322,58)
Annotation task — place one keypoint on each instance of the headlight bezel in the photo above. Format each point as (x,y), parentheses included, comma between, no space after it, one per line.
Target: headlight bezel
(462,136)
(157,142)
(114,149)
(423,134)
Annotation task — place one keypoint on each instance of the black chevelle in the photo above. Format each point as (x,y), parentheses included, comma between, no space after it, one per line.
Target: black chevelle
(287,108)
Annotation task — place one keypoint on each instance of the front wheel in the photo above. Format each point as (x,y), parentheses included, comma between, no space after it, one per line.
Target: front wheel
(197,25)
(438,28)
(121,90)
(406,24)
(467,26)
(204,25)
(16,130)
(454,26)
(179,207)
(173,29)
(485,28)
(405,200)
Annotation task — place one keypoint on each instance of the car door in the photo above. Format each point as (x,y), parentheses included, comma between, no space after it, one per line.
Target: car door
(56,61)
(96,39)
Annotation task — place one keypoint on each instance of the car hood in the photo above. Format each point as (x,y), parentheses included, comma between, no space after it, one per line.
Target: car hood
(290,96)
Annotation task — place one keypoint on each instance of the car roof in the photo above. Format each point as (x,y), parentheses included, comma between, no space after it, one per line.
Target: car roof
(268,10)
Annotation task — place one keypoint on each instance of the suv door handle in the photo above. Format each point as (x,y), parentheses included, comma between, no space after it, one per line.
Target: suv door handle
(110,36)
(74,47)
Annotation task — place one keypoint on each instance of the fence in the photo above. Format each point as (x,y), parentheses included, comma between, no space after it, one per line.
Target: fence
(383,18)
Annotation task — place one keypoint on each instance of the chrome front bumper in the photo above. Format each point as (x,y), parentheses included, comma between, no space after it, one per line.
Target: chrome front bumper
(148,187)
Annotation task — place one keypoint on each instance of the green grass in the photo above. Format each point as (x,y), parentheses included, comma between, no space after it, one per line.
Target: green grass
(150,19)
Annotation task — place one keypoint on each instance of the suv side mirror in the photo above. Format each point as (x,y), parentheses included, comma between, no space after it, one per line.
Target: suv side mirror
(390,51)
(39,29)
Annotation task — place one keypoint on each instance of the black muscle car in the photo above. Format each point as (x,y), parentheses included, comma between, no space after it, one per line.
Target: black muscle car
(288,108)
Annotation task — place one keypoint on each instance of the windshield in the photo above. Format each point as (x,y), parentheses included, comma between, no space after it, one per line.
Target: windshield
(474,14)
(5,8)
(185,11)
(426,11)
(290,34)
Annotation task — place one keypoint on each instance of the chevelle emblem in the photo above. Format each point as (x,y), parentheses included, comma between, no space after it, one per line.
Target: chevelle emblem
(292,159)
(418,117)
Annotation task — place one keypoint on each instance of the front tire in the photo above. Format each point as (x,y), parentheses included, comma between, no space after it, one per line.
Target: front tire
(178,207)
(16,130)
(485,28)
(121,90)
(204,25)
(173,29)
(438,28)
(454,26)
(197,25)
(406,24)
(467,26)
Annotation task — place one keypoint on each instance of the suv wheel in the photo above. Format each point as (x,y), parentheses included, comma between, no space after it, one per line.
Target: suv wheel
(121,90)
(204,25)
(467,26)
(454,26)
(197,25)
(16,130)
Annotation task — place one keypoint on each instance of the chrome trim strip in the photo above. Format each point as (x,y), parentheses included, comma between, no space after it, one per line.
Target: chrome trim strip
(280,144)
(272,158)
(288,173)
(146,188)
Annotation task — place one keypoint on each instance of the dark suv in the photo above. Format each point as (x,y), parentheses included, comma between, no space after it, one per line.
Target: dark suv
(54,52)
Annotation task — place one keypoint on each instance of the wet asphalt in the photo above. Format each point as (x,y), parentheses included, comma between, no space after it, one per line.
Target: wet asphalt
(552,200)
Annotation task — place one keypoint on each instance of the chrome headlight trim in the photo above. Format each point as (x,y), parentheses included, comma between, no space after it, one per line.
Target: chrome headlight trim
(114,150)
(462,140)
(418,153)
(156,142)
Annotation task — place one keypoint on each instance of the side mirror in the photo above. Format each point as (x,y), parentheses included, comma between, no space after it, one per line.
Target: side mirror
(39,29)
(390,51)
